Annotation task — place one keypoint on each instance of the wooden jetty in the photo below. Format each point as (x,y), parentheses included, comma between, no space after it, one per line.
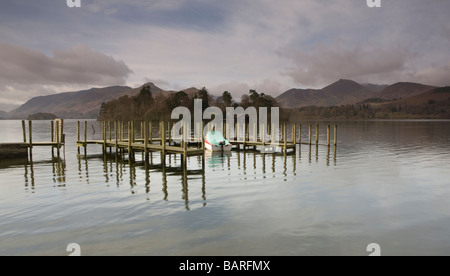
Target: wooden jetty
(122,137)
(25,148)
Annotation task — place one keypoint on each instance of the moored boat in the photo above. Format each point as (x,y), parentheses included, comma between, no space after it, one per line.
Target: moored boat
(215,142)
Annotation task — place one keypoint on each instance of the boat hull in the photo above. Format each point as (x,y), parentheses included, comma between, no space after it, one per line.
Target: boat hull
(215,148)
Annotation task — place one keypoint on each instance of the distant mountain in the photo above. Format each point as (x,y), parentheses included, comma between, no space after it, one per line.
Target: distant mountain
(82,104)
(79,104)
(3,114)
(338,93)
(375,87)
(403,90)
(431,96)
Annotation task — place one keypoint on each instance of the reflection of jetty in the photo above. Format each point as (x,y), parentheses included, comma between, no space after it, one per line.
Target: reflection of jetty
(123,137)
(21,149)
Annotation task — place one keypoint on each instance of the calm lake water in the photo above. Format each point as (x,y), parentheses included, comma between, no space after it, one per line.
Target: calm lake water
(387,182)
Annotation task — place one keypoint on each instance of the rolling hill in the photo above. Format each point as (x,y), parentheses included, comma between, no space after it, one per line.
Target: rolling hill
(83,104)
(401,90)
(338,93)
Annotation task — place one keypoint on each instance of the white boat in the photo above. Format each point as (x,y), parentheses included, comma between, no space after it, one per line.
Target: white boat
(215,142)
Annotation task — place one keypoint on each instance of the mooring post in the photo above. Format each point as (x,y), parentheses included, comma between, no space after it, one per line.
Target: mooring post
(57,138)
(85,138)
(317,134)
(335,135)
(284,138)
(78,137)
(202,138)
(24,131)
(30,133)
(110,135)
(184,143)
(263,133)
(300,133)
(145,129)
(52,130)
(163,138)
(168,132)
(310,134)
(116,134)
(104,136)
(294,133)
(328,135)
(150,132)
(129,139)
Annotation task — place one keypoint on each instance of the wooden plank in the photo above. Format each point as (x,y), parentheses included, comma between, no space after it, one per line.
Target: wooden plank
(13,150)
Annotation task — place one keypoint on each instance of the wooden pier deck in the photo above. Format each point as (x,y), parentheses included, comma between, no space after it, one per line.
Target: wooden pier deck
(25,149)
(114,135)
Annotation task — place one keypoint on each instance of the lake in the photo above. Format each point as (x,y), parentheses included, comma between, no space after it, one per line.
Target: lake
(387,182)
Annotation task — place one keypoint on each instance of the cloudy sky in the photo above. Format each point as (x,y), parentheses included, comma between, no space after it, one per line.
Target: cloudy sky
(235,45)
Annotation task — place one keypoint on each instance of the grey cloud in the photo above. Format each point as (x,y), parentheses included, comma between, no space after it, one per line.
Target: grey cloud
(327,64)
(77,65)
(434,75)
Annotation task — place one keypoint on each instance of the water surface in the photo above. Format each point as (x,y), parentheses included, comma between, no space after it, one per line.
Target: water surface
(386,182)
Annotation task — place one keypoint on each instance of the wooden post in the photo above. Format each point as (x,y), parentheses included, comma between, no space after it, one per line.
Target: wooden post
(169,134)
(146,140)
(294,133)
(110,132)
(284,138)
(133,133)
(300,133)
(317,134)
(78,131)
(184,143)
(116,135)
(263,132)
(129,138)
(310,134)
(335,135)
(52,133)
(57,138)
(104,136)
(52,130)
(85,137)
(328,135)
(122,130)
(163,137)
(150,131)
(24,131)
(202,138)
(30,133)
(78,136)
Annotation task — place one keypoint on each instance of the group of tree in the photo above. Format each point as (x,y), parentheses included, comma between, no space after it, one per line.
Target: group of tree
(149,106)
(430,110)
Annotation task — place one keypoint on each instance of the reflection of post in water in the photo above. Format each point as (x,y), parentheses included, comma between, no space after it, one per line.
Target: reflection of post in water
(147,174)
(30,180)
(317,153)
(132,176)
(184,183)
(164,176)
(59,171)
